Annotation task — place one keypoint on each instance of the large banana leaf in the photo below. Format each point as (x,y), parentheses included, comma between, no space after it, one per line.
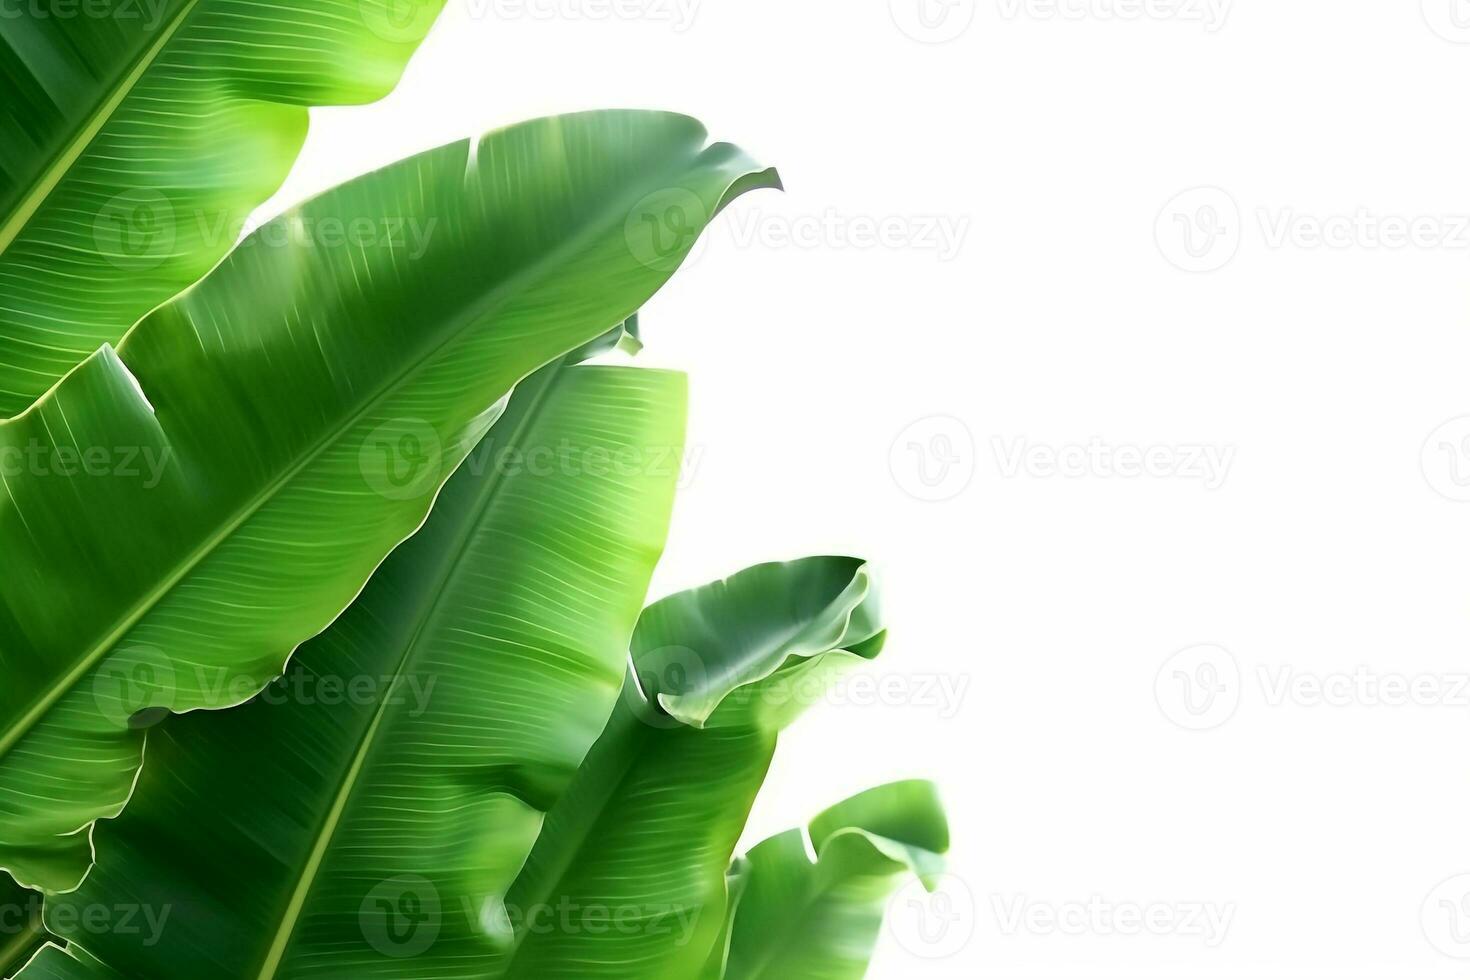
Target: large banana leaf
(136,136)
(797,919)
(628,878)
(179,514)
(301,835)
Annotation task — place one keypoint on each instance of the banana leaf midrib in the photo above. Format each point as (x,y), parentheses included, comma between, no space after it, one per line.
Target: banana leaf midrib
(20,948)
(276,955)
(629,729)
(486,306)
(58,167)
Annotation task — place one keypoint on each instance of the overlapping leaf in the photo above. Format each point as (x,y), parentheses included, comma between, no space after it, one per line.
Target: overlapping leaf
(628,877)
(799,919)
(137,135)
(366,836)
(179,514)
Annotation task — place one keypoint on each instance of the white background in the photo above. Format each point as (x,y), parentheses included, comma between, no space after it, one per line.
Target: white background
(1314,349)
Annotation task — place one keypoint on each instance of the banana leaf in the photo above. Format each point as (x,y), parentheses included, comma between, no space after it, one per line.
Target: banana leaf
(628,877)
(661,804)
(799,919)
(179,514)
(137,135)
(304,835)
(21,931)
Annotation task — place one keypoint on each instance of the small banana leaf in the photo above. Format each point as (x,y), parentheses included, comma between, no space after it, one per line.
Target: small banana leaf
(628,878)
(312,836)
(799,919)
(137,135)
(179,514)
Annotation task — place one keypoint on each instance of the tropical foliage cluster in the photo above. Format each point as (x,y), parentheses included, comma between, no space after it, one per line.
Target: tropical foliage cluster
(347,528)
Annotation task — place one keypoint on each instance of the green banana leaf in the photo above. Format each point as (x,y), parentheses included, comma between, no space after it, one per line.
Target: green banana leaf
(52,962)
(313,836)
(799,919)
(21,931)
(628,877)
(137,135)
(628,874)
(178,515)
